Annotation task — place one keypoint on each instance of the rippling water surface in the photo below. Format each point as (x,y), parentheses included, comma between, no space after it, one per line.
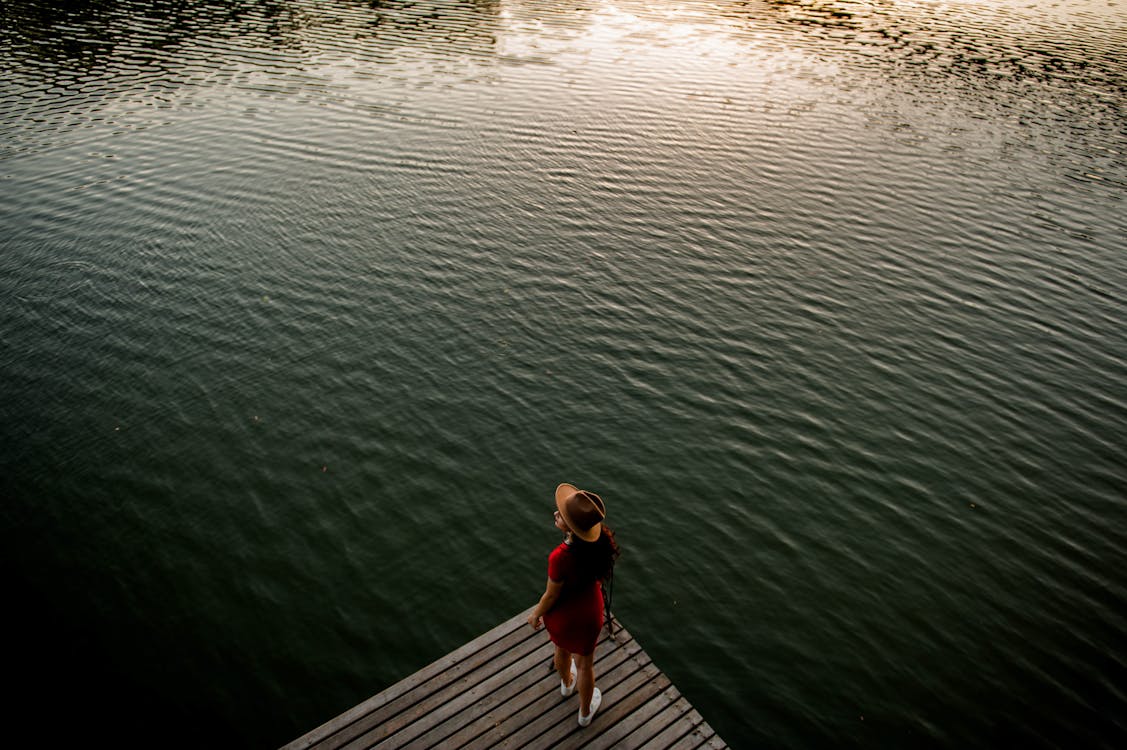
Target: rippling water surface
(306,307)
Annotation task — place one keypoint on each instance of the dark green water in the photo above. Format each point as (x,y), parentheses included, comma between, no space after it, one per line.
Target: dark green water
(305,309)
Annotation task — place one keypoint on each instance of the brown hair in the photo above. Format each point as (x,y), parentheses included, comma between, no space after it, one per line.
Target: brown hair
(594,561)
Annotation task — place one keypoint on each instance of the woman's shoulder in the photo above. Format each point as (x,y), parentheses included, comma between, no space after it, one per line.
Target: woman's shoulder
(561,555)
(560,563)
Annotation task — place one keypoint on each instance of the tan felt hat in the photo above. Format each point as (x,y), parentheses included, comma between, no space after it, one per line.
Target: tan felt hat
(582,511)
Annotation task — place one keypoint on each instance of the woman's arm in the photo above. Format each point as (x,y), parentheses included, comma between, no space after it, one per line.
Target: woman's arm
(551,593)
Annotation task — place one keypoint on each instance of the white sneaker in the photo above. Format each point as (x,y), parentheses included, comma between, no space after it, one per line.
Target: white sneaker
(566,690)
(596,699)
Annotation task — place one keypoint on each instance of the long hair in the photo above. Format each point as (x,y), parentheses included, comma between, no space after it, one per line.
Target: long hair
(594,561)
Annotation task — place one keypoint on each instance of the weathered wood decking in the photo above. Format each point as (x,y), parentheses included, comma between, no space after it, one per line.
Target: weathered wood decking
(500,691)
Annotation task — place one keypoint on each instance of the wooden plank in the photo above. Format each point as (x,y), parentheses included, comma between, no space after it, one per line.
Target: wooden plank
(526,727)
(492,725)
(714,742)
(521,706)
(554,725)
(328,729)
(543,697)
(678,728)
(646,721)
(450,719)
(514,705)
(431,694)
(699,735)
(460,696)
(488,697)
(500,690)
(618,702)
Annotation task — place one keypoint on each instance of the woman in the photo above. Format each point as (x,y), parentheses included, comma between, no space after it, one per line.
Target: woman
(572,605)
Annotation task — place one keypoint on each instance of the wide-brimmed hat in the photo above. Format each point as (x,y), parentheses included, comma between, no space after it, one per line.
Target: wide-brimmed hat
(582,511)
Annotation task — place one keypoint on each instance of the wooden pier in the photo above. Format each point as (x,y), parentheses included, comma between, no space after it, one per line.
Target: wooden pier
(500,691)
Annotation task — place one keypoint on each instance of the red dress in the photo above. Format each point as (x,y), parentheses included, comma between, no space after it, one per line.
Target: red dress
(574,621)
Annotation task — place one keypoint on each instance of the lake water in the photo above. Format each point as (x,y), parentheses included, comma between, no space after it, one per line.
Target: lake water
(306,308)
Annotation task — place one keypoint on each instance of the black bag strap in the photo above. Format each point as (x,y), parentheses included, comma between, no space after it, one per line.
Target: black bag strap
(608,595)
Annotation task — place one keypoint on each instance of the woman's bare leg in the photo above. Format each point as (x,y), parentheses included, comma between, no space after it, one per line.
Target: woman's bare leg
(562,661)
(586,667)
